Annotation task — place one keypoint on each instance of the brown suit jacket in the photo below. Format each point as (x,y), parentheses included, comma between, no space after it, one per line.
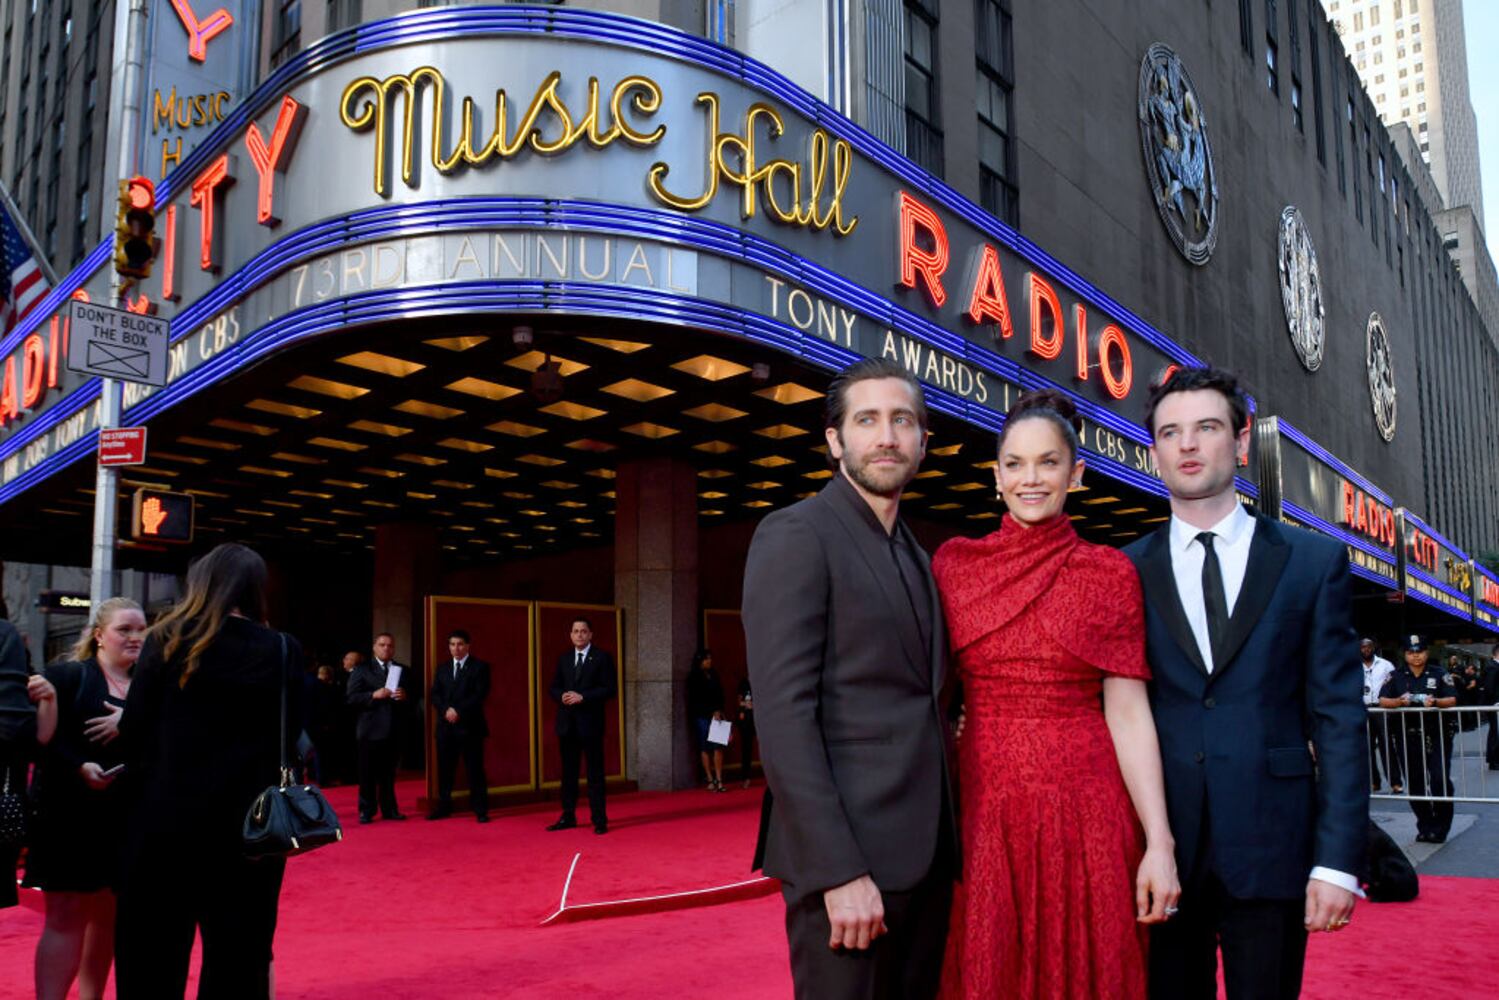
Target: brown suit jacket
(848,701)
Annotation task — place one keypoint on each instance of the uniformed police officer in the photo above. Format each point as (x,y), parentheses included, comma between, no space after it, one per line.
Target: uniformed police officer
(1418,688)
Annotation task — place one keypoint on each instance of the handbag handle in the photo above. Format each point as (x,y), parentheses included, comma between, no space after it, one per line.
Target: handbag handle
(285,764)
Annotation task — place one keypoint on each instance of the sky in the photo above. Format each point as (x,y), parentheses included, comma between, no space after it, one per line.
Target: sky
(1481,24)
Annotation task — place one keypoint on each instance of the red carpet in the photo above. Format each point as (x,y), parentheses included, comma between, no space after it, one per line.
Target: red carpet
(454,910)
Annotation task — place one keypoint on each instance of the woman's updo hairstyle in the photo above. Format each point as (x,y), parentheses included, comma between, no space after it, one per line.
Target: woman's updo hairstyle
(1050,405)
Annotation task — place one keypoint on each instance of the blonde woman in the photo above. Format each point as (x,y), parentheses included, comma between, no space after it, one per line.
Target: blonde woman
(81,799)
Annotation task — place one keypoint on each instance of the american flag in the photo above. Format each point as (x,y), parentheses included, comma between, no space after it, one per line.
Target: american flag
(22,282)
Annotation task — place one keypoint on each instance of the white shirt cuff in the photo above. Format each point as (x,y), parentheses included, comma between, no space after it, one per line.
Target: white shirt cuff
(1340,879)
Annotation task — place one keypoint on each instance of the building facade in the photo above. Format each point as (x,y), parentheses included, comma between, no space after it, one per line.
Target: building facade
(490,315)
(55,58)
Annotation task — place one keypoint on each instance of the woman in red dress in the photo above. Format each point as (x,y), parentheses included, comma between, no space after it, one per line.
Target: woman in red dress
(1067,853)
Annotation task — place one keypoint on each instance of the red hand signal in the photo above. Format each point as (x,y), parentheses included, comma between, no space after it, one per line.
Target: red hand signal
(152,514)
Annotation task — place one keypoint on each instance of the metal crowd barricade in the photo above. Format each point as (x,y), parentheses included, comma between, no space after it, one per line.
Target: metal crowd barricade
(1457,738)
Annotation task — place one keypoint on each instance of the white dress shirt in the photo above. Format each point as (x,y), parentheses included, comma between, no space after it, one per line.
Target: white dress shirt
(1233,536)
(1375,675)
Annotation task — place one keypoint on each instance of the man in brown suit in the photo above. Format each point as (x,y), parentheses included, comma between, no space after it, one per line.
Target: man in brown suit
(846,645)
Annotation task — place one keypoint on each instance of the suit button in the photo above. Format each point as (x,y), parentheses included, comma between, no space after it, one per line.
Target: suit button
(1208,703)
(1198,757)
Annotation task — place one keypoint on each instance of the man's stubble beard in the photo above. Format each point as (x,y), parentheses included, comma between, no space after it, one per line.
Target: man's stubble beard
(863,477)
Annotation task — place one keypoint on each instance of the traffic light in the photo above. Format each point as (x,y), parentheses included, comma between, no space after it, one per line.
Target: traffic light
(135,241)
(160,516)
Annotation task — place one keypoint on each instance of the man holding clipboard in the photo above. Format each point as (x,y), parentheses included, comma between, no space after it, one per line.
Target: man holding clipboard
(376,689)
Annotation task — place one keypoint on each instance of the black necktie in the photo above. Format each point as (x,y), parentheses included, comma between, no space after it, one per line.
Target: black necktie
(1213,598)
(456,665)
(577,667)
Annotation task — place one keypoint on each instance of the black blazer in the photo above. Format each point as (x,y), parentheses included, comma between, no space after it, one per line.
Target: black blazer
(467,694)
(1234,743)
(377,719)
(598,685)
(17,713)
(848,701)
(202,751)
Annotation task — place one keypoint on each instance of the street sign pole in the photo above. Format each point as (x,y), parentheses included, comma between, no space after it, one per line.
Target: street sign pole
(106,505)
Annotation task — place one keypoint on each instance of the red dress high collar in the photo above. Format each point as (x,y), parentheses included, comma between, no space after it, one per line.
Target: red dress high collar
(1087,596)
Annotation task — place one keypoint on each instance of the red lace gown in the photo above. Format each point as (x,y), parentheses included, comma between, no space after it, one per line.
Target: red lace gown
(1051,843)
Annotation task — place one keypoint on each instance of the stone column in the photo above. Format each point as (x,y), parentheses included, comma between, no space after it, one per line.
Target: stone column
(406,556)
(655,581)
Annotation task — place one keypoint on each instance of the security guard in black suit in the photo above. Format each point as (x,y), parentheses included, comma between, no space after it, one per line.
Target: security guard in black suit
(459,689)
(582,686)
(1419,687)
(377,728)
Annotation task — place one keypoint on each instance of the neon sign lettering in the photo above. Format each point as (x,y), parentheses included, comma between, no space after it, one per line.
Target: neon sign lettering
(200,33)
(1422,549)
(643,95)
(924,256)
(1367,516)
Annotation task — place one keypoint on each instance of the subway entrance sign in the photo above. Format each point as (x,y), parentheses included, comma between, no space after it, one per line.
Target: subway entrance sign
(160,516)
(116,343)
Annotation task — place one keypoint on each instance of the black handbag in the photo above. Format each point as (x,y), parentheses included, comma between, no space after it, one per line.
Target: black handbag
(14,814)
(288,819)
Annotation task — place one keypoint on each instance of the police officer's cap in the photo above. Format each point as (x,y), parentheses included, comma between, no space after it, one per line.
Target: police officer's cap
(1415,643)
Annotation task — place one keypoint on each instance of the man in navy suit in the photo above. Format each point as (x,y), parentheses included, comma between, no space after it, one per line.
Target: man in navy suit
(1257,697)
(582,685)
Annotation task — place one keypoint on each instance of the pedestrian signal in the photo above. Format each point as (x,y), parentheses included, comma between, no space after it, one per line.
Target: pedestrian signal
(159,516)
(135,239)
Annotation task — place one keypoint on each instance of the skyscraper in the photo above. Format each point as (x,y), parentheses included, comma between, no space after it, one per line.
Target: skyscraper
(1410,56)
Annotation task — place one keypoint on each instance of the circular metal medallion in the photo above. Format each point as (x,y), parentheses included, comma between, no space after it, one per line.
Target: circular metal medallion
(1381,365)
(1178,157)
(1301,288)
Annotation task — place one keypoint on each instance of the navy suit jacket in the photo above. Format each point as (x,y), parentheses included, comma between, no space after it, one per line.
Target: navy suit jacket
(1246,798)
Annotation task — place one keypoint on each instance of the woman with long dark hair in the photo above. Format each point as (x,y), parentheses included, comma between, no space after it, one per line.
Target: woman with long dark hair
(705,707)
(201,730)
(1067,851)
(81,798)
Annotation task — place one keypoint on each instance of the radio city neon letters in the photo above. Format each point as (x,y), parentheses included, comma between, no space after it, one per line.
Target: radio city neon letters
(33,368)
(1488,591)
(200,33)
(1422,549)
(925,254)
(270,159)
(1367,516)
(208,194)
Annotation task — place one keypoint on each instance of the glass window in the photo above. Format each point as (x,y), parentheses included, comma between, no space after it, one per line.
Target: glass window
(1272,58)
(923,124)
(1297,117)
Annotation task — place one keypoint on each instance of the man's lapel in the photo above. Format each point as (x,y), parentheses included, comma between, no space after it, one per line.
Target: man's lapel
(873,551)
(1268,553)
(1159,584)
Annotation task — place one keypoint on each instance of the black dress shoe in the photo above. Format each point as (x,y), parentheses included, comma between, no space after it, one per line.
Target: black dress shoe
(565,823)
(439,814)
(601,828)
(1436,838)
(1423,838)
(395,816)
(366,820)
(482,818)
